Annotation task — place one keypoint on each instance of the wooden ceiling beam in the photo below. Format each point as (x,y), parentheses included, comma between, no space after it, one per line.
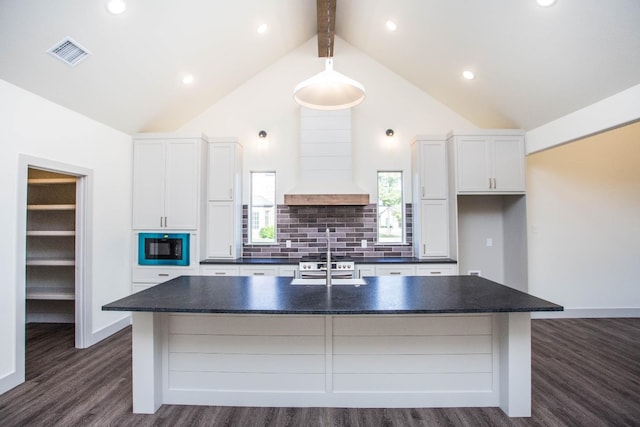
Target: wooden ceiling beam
(326,26)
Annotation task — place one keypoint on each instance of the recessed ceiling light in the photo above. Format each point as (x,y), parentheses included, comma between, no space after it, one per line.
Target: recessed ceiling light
(116,6)
(391,26)
(262,28)
(546,3)
(468,74)
(187,80)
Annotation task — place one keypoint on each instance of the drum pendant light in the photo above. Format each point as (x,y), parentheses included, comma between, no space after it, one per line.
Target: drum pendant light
(329,90)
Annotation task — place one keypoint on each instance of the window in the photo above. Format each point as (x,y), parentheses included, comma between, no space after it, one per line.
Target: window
(263,207)
(390,208)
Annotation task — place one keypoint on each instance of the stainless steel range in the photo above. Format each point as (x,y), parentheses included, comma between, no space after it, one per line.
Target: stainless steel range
(316,268)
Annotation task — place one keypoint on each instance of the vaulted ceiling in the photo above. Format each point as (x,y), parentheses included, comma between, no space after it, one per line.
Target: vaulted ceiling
(532,64)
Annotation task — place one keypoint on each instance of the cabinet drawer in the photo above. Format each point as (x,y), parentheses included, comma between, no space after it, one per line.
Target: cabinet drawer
(259,270)
(437,270)
(220,270)
(159,275)
(395,270)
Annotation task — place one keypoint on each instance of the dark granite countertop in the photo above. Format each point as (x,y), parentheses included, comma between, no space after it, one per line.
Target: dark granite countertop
(361,260)
(382,295)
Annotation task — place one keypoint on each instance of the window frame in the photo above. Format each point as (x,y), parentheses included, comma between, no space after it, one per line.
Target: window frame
(251,209)
(403,233)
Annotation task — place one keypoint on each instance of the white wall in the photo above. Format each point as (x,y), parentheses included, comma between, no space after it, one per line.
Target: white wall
(36,127)
(584,224)
(266,103)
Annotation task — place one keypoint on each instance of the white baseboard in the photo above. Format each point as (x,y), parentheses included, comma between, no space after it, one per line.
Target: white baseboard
(576,313)
(109,330)
(10,381)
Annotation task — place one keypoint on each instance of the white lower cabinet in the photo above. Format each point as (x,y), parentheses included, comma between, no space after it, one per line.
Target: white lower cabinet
(434,232)
(288,270)
(364,270)
(222,226)
(436,269)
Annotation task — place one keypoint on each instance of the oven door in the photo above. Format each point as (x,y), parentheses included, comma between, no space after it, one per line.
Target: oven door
(163,249)
(321,274)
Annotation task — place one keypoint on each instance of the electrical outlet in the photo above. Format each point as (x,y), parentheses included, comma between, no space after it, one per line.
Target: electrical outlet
(475,273)
(363,243)
(288,243)
(489,242)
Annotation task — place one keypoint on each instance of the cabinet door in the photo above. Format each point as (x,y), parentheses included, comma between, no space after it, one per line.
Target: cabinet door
(288,270)
(364,270)
(433,170)
(509,163)
(434,234)
(222,170)
(473,163)
(220,230)
(182,185)
(148,184)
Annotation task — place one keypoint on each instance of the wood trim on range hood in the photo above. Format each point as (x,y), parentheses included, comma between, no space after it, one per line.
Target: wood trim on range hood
(326,199)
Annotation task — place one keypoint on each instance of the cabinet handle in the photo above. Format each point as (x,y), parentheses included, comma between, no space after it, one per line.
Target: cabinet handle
(231,193)
(423,191)
(395,273)
(229,249)
(435,273)
(163,274)
(220,273)
(258,274)
(494,184)
(160,222)
(424,248)
(165,222)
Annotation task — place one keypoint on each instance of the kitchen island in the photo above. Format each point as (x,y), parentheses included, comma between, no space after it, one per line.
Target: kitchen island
(394,342)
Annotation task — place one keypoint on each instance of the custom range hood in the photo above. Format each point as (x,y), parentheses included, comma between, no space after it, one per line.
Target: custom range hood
(325,176)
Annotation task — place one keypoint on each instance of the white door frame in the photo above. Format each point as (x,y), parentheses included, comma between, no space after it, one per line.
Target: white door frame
(83,309)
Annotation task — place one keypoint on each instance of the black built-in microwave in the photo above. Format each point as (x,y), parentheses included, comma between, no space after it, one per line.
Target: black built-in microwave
(163,249)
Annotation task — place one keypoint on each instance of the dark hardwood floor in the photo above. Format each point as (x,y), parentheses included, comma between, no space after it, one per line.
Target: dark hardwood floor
(586,372)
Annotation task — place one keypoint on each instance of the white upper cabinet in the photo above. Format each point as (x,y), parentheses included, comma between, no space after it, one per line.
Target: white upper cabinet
(222,171)
(433,169)
(167,182)
(488,163)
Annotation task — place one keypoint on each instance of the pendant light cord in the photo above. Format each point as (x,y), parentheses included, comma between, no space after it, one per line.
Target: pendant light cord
(329,29)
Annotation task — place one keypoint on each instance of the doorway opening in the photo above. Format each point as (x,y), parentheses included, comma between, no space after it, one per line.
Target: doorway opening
(50,274)
(54,289)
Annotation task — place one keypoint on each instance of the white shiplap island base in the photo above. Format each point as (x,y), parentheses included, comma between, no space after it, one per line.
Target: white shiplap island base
(332,361)
(394,354)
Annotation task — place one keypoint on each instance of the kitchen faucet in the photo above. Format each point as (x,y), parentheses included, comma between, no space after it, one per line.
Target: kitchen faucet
(328,269)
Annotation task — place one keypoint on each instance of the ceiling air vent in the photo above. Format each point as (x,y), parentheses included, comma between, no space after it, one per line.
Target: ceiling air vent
(69,51)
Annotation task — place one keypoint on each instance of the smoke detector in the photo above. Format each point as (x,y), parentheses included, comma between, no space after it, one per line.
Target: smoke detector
(69,51)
